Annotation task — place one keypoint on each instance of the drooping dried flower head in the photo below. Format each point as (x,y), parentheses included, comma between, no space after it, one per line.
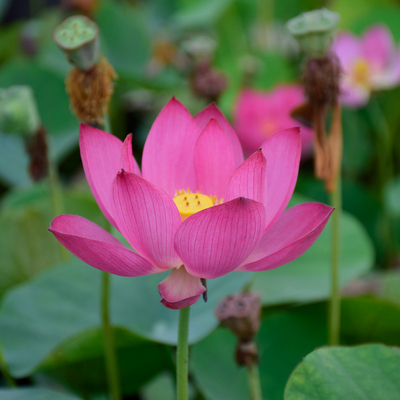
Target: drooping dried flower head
(90,91)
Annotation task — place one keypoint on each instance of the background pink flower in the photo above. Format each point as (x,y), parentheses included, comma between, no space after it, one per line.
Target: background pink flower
(257,115)
(369,63)
(196,208)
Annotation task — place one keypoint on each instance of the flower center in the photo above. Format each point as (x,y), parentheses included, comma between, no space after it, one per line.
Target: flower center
(191,203)
(361,72)
(268,128)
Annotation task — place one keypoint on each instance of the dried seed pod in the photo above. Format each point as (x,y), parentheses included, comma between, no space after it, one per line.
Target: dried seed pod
(37,150)
(90,91)
(206,82)
(78,37)
(314,31)
(241,314)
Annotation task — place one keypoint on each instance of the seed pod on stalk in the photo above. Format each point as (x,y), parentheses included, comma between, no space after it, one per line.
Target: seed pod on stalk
(314,32)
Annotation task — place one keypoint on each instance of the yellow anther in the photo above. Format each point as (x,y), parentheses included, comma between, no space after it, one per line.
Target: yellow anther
(360,72)
(191,203)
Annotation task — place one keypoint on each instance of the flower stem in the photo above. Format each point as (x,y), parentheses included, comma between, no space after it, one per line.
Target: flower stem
(334,305)
(9,379)
(182,356)
(254,382)
(110,357)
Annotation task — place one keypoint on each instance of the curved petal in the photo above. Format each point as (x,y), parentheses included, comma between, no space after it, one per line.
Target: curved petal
(353,95)
(348,48)
(290,237)
(283,152)
(147,217)
(214,160)
(217,240)
(128,161)
(212,111)
(168,152)
(378,47)
(101,159)
(250,180)
(180,289)
(96,247)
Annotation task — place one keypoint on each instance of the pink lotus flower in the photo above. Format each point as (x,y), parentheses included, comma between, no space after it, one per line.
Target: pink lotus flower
(258,115)
(369,63)
(196,209)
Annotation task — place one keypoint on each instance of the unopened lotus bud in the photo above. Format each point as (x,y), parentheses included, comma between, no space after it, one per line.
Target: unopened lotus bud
(78,37)
(18,111)
(314,31)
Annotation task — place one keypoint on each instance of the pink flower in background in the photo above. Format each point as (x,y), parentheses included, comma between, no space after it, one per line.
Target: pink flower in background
(369,63)
(196,208)
(257,115)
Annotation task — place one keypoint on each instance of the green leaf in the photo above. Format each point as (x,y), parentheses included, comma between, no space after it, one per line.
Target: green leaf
(280,350)
(34,394)
(160,388)
(125,37)
(368,372)
(26,247)
(79,362)
(53,104)
(39,316)
(285,338)
(308,277)
(13,161)
(370,320)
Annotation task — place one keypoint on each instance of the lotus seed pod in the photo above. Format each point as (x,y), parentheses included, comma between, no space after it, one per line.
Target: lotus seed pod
(314,31)
(18,111)
(78,37)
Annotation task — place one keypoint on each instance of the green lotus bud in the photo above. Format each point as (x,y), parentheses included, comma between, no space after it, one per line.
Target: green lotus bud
(78,37)
(314,31)
(18,111)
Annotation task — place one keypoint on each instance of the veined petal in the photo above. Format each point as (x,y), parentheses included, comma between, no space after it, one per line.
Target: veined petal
(283,152)
(101,159)
(378,47)
(212,111)
(147,217)
(293,234)
(128,162)
(250,180)
(180,289)
(98,248)
(168,152)
(217,240)
(214,160)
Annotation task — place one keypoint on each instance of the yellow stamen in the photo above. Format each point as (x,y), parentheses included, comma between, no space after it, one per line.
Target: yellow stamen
(189,203)
(360,72)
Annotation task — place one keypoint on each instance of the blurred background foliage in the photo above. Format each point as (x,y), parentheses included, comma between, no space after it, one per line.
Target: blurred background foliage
(49,313)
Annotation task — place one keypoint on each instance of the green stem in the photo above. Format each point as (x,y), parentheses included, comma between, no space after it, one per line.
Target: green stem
(109,350)
(57,200)
(383,143)
(254,382)
(334,305)
(9,379)
(182,355)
